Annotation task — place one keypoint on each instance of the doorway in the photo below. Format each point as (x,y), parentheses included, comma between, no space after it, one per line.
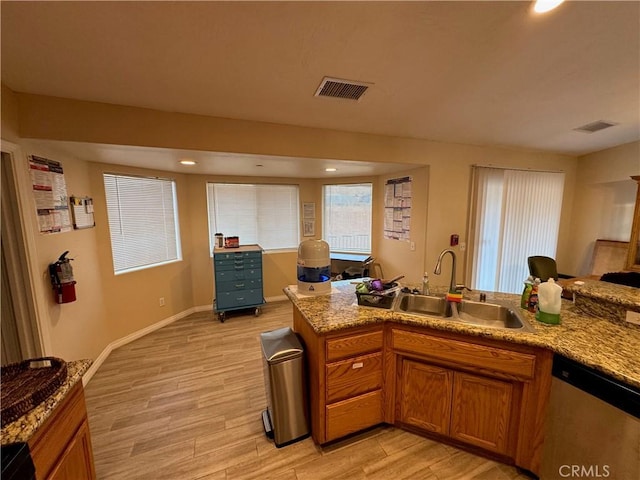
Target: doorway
(19,328)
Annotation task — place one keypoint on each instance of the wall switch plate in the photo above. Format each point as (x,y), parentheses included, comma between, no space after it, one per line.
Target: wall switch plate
(412,246)
(161,301)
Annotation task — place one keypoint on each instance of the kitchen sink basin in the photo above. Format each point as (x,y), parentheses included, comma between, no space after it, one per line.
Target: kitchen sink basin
(491,315)
(424,305)
(476,313)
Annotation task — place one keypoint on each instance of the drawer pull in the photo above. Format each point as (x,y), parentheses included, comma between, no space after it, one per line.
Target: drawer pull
(239,285)
(357,365)
(239,299)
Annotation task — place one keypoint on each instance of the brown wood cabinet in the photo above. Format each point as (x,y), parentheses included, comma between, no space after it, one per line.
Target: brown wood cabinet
(473,409)
(482,394)
(470,391)
(61,448)
(425,396)
(345,379)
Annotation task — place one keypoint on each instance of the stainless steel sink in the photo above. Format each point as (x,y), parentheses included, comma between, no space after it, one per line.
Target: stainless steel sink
(491,315)
(483,314)
(423,305)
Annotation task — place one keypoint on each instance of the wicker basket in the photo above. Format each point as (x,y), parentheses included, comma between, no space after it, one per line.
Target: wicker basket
(27,384)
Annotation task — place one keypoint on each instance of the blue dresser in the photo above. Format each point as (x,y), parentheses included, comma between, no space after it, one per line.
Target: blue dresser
(238,279)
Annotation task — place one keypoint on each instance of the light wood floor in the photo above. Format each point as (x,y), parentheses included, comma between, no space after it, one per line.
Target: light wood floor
(185,402)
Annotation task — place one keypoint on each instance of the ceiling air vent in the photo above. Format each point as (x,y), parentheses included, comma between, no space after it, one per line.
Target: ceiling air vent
(337,88)
(595,126)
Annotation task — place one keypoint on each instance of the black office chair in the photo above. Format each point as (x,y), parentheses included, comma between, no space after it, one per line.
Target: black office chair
(544,268)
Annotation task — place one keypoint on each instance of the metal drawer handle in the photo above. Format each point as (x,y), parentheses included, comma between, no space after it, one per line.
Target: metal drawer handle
(239,299)
(239,285)
(357,365)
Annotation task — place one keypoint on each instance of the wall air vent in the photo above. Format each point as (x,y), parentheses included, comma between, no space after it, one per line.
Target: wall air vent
(337,88)
(595,126)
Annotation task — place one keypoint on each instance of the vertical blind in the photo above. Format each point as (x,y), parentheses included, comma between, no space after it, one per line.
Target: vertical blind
(346,217)
(517,216)
(264,214)
(143,221)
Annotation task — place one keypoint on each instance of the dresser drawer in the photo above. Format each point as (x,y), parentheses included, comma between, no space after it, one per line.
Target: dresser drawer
(238,299)
(462,353)
(353,414)
(354,376)
(240,284)
(353,345)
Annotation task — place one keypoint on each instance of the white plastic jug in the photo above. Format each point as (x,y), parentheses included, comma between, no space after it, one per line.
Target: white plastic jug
(549,302)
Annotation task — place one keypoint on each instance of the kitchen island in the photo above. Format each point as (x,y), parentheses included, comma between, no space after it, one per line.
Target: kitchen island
(57,430)
(481,388)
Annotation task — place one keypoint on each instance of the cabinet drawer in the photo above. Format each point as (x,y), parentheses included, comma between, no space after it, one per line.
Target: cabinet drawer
(237,256)
(462,353)
(353,345)
(354,414)
(237,265)
(354,376)
(238,299)
(237,274)
(241,284)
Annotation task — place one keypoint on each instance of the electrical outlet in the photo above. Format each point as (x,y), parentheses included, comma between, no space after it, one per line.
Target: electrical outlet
(161,301)
(412,246)
(462,246)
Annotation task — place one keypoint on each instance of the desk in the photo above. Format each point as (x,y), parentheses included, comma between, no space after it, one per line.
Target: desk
(353,261)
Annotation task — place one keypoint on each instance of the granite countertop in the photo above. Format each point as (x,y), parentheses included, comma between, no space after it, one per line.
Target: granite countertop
(22,429)
(628,297)
(609,347)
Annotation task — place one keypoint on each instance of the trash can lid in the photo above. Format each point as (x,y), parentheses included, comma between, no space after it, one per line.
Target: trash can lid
(280,344)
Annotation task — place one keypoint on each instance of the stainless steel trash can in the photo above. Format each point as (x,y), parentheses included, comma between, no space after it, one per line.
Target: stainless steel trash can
(286,416)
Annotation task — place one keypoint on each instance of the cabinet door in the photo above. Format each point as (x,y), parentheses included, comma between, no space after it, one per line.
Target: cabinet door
(425,396)
(77,460)
(481,411)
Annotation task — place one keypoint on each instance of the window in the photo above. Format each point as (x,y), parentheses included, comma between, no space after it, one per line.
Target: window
(346,217)
(143,221)
(517,215)
(264,214)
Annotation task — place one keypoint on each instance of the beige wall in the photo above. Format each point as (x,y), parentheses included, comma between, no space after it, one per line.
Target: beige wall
(604,206)
(120,305)
(9,112)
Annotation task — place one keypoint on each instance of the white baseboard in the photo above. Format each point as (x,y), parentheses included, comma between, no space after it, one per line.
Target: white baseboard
(134,336)
(147,330)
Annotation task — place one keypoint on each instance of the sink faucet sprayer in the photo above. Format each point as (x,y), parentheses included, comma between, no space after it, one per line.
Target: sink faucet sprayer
(453,295)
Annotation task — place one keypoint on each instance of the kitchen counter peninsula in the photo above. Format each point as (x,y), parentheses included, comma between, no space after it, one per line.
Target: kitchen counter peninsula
(595,341)
(488,387)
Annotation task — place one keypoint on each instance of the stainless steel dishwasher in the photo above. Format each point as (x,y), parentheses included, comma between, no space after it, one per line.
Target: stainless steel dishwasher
(593,426)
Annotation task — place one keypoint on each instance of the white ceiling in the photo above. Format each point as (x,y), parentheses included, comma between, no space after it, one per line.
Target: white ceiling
(484,73)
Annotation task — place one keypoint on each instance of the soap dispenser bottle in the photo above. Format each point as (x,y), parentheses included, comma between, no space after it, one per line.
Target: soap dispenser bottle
(425,284)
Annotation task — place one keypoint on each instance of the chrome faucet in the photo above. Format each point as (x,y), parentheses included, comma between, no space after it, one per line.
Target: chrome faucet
(438,269)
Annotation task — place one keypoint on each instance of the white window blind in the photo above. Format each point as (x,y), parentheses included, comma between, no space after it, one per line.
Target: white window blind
(346,217)
(267,215)
(517,216)
(143,221)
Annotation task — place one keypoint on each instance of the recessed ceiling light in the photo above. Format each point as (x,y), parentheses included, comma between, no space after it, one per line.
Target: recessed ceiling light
(543,6)
(187,162)
(330,169)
